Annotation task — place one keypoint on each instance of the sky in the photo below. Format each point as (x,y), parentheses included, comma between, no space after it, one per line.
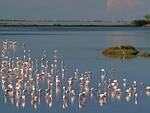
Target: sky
(74,9)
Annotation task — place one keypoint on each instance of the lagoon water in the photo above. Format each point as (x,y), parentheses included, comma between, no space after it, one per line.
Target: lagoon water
(80,48)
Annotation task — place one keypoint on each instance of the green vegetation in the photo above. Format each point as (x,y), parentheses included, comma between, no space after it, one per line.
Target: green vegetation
(147,17)
(124,51)
(139,23)
(144,22)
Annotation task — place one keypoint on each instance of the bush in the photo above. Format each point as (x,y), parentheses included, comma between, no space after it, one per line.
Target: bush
(128,47)
(139,23)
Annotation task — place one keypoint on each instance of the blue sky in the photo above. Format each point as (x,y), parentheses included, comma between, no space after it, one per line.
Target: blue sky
(74,9)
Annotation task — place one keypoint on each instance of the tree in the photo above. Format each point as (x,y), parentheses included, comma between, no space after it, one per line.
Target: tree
(147,17)
(139,23)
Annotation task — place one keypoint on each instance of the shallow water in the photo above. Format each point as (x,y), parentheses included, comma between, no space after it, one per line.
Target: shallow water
(79,48)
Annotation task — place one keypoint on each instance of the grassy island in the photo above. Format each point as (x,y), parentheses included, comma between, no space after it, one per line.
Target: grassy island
(124,51)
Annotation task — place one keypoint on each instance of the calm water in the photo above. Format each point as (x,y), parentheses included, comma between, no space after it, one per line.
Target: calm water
(79,47)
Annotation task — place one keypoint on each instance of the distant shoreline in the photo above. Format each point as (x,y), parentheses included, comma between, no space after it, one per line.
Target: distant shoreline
(66,26)
(67,23)
(63,23)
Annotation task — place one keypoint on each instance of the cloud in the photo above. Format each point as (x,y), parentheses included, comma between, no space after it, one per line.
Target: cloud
(121,4)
